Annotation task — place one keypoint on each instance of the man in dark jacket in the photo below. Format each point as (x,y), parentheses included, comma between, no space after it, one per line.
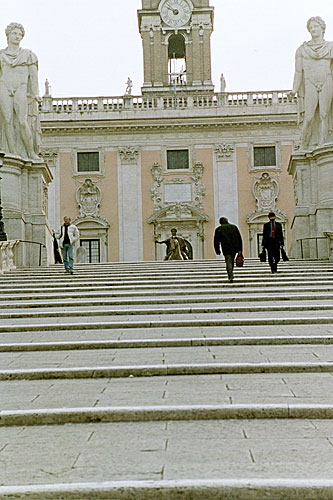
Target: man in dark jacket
(229,238)
(272,240)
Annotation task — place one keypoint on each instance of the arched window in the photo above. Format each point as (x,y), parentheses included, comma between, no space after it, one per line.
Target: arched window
(177,60)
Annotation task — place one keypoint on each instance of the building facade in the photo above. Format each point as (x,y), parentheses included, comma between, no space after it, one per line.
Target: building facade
(129,168)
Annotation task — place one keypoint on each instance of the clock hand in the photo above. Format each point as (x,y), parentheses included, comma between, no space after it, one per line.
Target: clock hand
(174,11)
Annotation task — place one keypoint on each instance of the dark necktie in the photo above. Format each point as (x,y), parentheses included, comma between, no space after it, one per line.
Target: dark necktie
(273,229)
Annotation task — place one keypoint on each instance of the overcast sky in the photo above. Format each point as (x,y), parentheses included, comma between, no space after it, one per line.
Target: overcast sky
(90,47)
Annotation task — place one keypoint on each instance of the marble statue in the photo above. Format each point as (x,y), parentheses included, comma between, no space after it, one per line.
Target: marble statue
(129,86)
(176,247)
(47,88)
(223,83)
(19,97)
(313,84)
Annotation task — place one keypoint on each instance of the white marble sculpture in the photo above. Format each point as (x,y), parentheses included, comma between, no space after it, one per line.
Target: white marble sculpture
(19,97)
(223,83)
(313,84)
(129,86)
(47,88)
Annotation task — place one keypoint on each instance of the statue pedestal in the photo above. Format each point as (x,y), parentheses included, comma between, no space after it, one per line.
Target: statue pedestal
(312,173)
(25,202)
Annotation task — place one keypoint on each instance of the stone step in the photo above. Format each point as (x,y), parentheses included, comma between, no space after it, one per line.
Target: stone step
(124,310)
(133,334)
(167,413)
(163,274)
(232,353)
(223,284)
(281,297)
(107,293)
(166,343)
(303,318)
(146,370)
(142,274)
(201,460)
(197,264)
(304,388)
(228,489)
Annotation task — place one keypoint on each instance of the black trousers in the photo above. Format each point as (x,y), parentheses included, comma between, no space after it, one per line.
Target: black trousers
(273,250)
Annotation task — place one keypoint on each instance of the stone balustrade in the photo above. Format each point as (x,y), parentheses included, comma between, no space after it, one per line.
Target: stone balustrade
(7,255)
(128,102)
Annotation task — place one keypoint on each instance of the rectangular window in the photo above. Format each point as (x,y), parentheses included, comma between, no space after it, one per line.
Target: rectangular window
(88,162)
(264,156)
(177,159)
(92,250)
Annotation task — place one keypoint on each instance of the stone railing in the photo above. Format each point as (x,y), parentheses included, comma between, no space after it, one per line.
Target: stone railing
(122,103)
(7,255)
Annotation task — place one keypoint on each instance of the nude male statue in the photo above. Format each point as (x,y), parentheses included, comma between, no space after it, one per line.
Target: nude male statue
(19,95)
(313,82)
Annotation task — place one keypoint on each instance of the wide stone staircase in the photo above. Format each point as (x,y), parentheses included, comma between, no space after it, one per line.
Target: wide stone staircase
(163,381)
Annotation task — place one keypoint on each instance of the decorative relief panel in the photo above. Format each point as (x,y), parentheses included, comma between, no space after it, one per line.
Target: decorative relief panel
(265,191)
(45,198)
(296,188)
(199,188)
(178,190)
(129,155)
(224,152)
(157,190)
(88,197)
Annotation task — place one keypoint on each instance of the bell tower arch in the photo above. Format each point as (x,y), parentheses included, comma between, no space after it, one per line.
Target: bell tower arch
(176,41)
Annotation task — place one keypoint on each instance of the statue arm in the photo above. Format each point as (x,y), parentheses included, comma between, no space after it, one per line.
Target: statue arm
(298,73)
(33,76)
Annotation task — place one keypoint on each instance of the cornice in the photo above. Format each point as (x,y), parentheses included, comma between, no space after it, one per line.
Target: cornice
(211,123)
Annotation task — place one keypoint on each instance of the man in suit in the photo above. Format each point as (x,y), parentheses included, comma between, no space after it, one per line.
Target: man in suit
(273,241)
(229,238)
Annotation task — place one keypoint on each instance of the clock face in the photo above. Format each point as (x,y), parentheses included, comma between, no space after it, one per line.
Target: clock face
(176,13)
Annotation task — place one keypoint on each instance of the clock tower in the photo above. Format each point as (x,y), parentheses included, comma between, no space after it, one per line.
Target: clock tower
(176,46)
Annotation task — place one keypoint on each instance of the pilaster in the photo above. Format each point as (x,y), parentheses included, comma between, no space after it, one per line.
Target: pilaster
(130,204)
(225,183)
